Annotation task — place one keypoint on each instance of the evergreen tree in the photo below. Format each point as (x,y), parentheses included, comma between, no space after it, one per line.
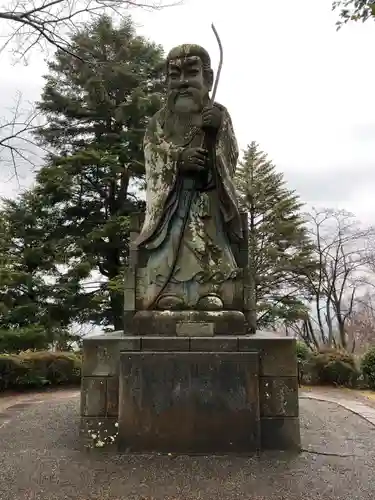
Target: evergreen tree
(97,108)
(28,316)
(280,251)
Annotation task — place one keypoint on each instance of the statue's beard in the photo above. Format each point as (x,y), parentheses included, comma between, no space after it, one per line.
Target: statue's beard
(183,112)
(183,101)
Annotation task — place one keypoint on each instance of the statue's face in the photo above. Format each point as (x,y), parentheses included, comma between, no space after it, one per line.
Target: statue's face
(188,87)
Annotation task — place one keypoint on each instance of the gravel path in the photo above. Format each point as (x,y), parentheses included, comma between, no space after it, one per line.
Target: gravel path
(41,459)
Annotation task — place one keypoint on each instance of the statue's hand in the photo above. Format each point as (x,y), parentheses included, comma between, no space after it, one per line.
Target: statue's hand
(193,159)
(211,118)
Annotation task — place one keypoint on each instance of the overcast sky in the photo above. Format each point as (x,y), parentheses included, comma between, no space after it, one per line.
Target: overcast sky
(290,81)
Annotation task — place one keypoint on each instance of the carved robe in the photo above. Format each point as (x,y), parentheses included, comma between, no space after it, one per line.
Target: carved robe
(200,251)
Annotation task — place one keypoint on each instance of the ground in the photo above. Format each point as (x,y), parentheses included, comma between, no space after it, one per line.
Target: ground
(41,459)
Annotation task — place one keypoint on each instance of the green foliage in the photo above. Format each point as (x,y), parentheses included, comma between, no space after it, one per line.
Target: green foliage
(15,340)
(354,10)
(37,369)
(368,367)
(303,351)
(73,226)
(334,367)
(280,250)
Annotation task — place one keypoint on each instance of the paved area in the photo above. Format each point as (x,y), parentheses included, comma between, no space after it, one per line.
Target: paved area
(41,459)
(358,406)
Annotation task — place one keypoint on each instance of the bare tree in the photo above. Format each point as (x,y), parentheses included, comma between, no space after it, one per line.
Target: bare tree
(46,24)
(343,251)
(17,147)
(361,323)
(28,25)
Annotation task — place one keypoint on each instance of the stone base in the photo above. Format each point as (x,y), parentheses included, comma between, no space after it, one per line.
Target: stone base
(193,394)
(189,402)
(189,323)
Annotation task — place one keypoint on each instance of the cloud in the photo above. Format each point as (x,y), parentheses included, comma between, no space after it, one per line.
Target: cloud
(290,81)
(332,186)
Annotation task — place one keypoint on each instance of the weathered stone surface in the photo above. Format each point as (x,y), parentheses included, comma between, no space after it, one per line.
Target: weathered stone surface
(93,396)
(181,323)
(161,323)
(278,396)
(280,433)
(112,397)
(195,329)
(165,344)
(101,353)
(230,322)
(189,402)
(277,354)
(216,344)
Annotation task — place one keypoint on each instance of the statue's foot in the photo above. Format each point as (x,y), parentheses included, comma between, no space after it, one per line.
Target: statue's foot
(210,302)
(170,303)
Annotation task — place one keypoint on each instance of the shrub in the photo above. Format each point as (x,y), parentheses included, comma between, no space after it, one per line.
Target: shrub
(11,371)
(334,367)
(368,367)
(37,369)
(303,352)
(15,340)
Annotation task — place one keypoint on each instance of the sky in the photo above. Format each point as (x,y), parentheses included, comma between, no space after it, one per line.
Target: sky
(291,82)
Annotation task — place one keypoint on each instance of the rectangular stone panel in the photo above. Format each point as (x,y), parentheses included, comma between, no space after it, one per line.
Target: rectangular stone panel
(214,344)
(189,402)
(194,329)
(278,396)
(165,344)
(101,353)
(278,355)
(93,396)
(280,433)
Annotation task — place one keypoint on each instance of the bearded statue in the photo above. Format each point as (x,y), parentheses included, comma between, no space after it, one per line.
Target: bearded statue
(192,219)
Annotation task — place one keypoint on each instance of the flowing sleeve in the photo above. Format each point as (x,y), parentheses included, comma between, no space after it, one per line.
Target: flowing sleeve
(227,146)
(225,162)
(161,158)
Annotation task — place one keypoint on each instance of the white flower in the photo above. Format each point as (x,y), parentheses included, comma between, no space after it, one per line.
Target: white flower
(116,424)
(99,444)
(94,436)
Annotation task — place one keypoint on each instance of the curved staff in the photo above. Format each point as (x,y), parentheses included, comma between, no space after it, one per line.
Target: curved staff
(152,303)
(213,95)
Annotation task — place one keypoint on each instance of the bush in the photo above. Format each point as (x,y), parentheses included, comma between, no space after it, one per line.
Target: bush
(303,352)
(334,367)
(368,367)
(11,371)
(15,340)
(37,369)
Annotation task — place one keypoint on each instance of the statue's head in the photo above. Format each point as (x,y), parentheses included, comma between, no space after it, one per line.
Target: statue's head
(189,78)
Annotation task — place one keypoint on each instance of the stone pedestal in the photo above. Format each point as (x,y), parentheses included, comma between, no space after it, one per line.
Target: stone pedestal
(189,402)
(191,394)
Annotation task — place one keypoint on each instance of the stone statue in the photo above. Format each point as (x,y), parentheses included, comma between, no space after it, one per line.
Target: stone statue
(192,219)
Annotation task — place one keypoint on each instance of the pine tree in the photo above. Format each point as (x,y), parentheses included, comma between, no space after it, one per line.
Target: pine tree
(28,316)
(97,108)
(280,250)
